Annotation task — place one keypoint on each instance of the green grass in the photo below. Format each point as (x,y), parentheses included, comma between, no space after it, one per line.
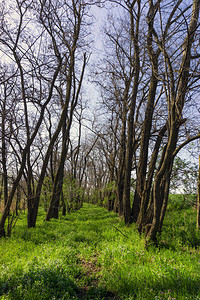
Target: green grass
(84,256)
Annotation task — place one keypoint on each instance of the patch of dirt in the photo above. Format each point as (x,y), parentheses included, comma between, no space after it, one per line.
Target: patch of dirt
(90,267)
(92,291)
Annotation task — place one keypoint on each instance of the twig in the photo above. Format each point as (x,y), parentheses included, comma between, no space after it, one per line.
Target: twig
(120,232)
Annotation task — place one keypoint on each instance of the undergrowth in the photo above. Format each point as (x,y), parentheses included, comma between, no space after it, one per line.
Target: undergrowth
(90,254)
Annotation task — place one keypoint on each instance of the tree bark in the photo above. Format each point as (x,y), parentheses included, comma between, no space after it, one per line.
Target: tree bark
(142,219)
(131,126)
(159,186)
(198,198)
(144,144)
(4,158)
(176,102)
(120,174)
(145,137)
(58,182)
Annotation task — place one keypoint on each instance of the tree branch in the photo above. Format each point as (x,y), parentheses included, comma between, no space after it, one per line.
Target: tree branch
(185,143)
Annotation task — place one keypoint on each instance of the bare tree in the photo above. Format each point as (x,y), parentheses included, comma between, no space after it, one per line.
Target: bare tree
(12,43)
(167,89)
(176,92)
(70,99)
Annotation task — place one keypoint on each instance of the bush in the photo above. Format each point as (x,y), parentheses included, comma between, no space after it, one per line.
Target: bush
(181,201)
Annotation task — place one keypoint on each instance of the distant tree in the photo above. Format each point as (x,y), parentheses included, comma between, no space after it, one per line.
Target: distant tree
(184,176)
(123,94)
(69,86)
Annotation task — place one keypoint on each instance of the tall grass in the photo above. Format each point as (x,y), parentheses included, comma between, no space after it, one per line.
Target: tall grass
(90,254)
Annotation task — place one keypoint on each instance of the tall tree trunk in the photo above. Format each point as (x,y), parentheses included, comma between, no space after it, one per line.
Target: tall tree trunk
(64,208)
(127,172)
(165,198)
(118,207)
(161,181)
(53,210)
(58,182)
(131,126)
(24,154)
(4,158)
(30,198)
(142,217)
(144,144)
(198,198)
(33,208)
(176,102)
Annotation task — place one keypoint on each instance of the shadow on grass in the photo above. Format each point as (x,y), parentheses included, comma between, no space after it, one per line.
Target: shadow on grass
(47,284)
(50,284)
(39,284)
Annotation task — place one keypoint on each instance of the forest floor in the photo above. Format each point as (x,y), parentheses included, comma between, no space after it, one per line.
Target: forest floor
(91,254)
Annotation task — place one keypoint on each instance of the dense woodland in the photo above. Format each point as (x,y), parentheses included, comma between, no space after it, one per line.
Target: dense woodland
(116,126)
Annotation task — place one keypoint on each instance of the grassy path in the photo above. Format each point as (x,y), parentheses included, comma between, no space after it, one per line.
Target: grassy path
(90,254)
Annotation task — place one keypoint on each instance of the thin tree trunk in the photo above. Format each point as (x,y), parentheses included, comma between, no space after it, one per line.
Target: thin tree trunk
(198,198)
(64,208)
(24,154)
(118,207)
(148,184)
(165,200)
(142,166)
(175,107)
(58,182)
(160,184)
(4,159)
(131,126)
(33,209)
